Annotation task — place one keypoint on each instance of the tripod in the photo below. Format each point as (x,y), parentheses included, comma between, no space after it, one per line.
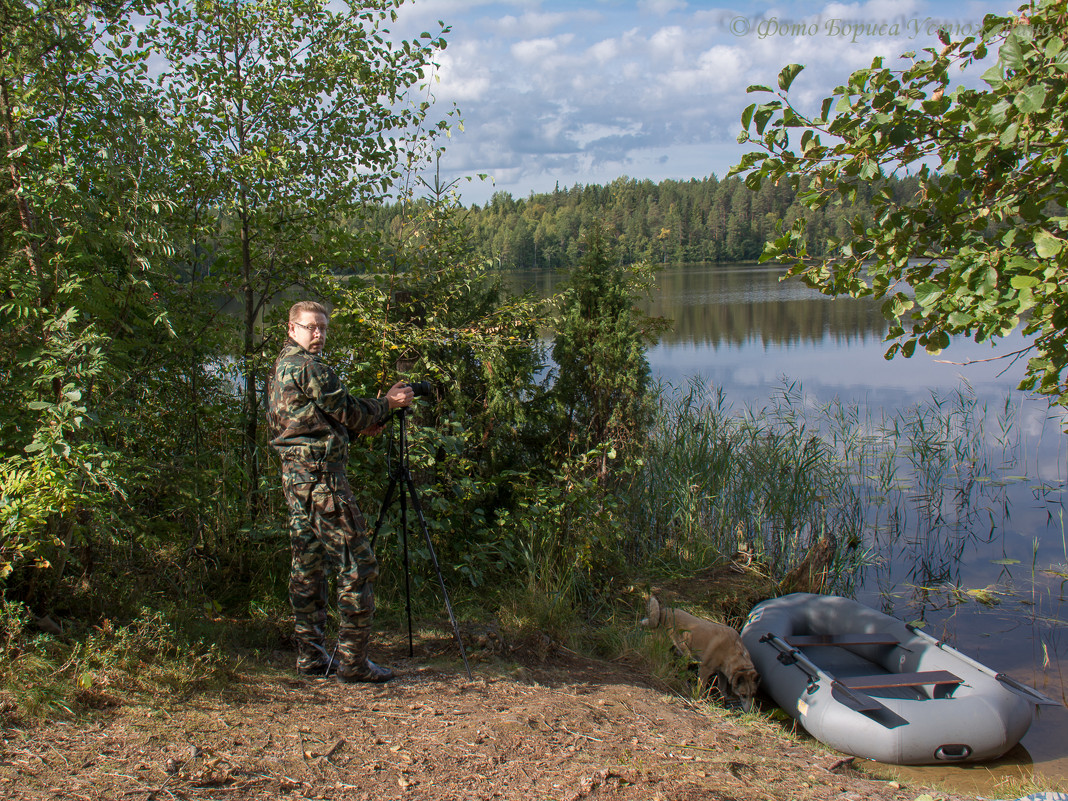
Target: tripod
(400,476)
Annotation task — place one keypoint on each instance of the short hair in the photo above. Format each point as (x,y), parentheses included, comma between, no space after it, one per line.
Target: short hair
(302,306)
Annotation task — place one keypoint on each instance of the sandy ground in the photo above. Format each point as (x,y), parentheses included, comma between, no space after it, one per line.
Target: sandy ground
(555,726)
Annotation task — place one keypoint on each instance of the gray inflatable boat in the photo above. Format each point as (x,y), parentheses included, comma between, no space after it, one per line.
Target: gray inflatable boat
(869,685)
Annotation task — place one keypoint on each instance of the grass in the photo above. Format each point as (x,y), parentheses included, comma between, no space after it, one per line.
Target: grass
(46,675)
(905,491)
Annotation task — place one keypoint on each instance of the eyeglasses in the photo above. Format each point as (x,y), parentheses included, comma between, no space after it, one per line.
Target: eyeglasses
(311,329)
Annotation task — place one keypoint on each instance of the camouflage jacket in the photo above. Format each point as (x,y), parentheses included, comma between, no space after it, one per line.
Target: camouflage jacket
(310,414)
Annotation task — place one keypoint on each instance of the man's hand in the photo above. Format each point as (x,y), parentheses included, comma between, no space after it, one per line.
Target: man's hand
(399,395)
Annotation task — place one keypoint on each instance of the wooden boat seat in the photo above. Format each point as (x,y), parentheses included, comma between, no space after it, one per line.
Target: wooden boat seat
(883,680)
(807,640)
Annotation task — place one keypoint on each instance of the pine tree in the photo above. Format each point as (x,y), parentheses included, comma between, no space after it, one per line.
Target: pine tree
(602,383)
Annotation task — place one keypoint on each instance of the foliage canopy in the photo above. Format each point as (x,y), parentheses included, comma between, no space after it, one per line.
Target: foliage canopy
(670,222)
(160,159)
(979,251)
(164,161)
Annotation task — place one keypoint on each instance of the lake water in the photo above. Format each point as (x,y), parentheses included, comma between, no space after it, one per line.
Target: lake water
(1001,530)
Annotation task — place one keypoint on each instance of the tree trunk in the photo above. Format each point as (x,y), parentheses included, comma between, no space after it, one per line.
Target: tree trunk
(252,405)
(25,214)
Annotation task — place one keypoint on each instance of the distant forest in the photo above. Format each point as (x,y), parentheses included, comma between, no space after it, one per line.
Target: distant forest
(671,222)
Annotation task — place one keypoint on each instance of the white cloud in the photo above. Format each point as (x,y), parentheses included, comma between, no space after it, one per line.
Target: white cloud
(604,51)
(462,75)
(669,44)
(876,10)
(661,7)
(585,90)
(717,70)
(535,51)
(540,24)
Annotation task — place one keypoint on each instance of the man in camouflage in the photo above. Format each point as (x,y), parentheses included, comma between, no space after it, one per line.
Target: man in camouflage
(312,417)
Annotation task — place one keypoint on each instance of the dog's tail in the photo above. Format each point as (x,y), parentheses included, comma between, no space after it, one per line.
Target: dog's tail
(652,613)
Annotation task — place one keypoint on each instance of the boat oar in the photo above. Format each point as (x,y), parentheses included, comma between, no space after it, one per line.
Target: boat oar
(848,697)
(854,699)
(1030,693)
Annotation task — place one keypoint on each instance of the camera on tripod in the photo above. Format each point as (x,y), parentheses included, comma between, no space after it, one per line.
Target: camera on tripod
(422,389)
(400,478)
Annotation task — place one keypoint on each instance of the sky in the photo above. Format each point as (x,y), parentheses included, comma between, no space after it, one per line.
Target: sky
(565,92)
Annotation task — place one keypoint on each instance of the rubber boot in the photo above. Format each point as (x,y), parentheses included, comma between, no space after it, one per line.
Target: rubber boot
(313,659)
(355,666)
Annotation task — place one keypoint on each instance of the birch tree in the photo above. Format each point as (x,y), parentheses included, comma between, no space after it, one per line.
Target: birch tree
(289,114)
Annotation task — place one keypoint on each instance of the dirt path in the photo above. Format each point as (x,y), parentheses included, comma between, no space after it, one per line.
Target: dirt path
(566,729)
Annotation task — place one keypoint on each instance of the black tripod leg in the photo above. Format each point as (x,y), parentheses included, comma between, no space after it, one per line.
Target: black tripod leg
(434,558)
(394,481)
(407,571)
(386,501)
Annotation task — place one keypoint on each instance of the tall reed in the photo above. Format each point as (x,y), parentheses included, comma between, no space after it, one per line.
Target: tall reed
(912,486)
(763,481)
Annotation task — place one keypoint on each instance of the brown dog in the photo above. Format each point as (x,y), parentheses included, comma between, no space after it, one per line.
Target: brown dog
(718,648)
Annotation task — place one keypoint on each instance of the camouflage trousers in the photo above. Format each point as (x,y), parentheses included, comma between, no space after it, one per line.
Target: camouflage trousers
(328,533)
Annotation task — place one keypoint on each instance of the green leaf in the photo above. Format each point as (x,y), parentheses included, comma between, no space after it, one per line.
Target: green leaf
(763,115)
(1009,135)
(995,76)
(928,294)
(747,114)
(787,75)
(1030,99)
(988,280)
(937,342)
(1046,245)
(1011,54)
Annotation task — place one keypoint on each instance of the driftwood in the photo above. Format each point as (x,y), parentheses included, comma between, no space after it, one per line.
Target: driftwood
(810,574)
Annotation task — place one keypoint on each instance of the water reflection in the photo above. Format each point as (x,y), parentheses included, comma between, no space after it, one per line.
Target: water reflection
(739,304)
(751,305)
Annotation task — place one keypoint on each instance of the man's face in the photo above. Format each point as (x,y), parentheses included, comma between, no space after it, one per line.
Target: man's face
(309,331)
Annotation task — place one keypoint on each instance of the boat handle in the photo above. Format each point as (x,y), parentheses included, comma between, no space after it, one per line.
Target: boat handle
(953,752)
